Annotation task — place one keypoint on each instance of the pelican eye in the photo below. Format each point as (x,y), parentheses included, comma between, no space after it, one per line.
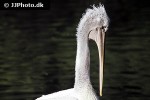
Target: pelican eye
(103,28)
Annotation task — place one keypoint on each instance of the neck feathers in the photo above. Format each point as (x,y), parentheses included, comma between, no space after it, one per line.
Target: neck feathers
(82,62)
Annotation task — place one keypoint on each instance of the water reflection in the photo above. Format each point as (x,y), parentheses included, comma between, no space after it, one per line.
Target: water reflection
(36,61)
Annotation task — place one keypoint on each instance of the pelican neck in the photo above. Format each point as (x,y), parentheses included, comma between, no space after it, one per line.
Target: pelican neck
(82,74)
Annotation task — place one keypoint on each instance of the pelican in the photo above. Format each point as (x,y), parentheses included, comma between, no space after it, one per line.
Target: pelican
(93,25)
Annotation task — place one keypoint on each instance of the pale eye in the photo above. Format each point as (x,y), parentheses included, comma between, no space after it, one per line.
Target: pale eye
(104,28)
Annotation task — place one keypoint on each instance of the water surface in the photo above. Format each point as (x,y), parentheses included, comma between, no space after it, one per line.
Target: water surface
(38,50)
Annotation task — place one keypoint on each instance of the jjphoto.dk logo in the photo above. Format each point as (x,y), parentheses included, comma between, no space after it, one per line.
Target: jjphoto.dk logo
(25,4)
(39,4)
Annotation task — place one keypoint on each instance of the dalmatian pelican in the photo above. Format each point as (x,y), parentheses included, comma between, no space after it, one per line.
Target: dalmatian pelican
(93,25)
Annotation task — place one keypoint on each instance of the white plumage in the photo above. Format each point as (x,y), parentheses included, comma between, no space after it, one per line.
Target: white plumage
(93,25)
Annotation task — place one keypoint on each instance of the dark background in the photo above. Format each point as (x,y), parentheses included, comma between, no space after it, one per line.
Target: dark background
(38,50)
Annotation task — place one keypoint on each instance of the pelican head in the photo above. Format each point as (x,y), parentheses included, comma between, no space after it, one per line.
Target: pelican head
(93,25)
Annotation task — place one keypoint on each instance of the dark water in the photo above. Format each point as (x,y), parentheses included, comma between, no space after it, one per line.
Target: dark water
(38,50)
